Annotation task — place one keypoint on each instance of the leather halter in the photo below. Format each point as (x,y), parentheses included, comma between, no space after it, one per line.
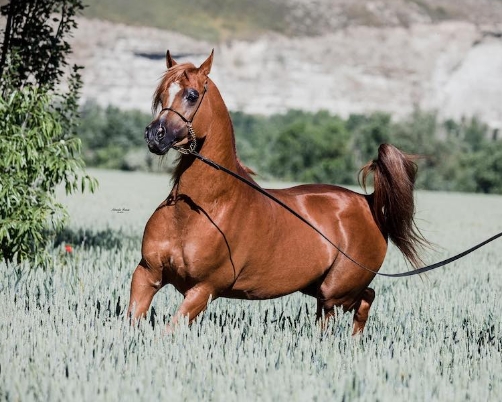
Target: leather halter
(192,139)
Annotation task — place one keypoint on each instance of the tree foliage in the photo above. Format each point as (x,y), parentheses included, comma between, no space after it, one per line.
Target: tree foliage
(38,121)
(36,157)
(313,147)
(34,48)
(112,138)
(319,147)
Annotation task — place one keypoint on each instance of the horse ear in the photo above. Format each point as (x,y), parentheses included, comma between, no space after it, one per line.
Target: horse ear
(169,60)
(206,66)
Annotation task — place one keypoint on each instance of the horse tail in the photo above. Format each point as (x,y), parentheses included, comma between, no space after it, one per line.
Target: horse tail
(393,206)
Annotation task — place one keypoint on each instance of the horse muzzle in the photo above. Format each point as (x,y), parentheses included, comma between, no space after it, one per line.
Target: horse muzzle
(160,139)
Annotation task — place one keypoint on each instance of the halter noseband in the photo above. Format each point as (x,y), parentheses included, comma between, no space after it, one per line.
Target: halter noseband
(192,138)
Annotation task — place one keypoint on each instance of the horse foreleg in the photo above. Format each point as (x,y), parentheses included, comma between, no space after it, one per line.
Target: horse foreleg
(362,310)
(144,284)
(195,301)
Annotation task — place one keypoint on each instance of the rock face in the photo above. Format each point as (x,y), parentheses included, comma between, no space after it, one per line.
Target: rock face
(452,67)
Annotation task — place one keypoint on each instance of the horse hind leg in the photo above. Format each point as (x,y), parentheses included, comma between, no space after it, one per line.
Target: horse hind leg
(326,309)
(362,309)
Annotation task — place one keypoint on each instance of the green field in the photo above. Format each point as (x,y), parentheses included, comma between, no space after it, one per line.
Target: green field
(438,337)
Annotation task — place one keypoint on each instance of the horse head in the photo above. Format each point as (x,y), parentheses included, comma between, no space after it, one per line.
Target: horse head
(180,95)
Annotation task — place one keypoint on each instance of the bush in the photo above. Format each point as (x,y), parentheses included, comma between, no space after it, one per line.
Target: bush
(36,157)
(313,147)
(37,124)
(487,168)
(113,138)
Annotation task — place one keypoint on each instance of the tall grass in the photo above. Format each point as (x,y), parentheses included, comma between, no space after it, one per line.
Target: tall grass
(63,335)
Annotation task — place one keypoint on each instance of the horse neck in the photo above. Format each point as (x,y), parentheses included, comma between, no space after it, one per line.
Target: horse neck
(195,177)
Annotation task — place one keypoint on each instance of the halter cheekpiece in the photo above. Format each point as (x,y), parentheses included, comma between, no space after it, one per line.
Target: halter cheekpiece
(192,138)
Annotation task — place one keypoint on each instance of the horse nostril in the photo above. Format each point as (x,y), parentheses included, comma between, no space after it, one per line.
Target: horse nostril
(160,134)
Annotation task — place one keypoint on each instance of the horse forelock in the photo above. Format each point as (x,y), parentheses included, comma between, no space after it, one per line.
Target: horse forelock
(174,74)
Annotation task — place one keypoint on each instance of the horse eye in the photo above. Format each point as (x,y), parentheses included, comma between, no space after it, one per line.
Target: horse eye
(192,95)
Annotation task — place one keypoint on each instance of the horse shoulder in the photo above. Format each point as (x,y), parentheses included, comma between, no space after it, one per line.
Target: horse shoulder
(191,243)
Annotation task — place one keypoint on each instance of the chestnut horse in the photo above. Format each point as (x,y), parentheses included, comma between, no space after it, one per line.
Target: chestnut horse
(214,236)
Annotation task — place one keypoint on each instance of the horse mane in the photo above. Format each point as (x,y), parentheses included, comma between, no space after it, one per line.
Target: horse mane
(247,169)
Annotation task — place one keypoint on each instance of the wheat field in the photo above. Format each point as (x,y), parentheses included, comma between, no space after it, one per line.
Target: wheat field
(437,337)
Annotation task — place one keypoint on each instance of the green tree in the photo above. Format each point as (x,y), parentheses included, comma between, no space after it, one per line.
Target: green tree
(110,134)
(475,133)
(250,138)
(486,165)
(419,135)
(37,125)
(368,132)
(313,147)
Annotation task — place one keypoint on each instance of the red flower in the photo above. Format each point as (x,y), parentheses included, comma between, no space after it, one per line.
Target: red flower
(68,248)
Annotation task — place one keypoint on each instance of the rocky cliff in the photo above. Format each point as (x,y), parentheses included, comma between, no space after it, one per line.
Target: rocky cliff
(452,67)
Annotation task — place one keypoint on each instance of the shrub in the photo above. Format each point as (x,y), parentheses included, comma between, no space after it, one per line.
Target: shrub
(36,157)
(313,147)
(37,125)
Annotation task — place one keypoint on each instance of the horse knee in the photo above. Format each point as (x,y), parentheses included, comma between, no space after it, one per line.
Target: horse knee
(144,284)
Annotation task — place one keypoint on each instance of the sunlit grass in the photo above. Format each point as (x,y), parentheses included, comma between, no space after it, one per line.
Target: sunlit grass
(63,335)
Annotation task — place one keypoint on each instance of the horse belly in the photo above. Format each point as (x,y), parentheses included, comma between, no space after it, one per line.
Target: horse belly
(297,258)
(279,274)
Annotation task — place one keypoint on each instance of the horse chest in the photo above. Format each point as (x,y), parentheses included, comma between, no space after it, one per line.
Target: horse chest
(188,247)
